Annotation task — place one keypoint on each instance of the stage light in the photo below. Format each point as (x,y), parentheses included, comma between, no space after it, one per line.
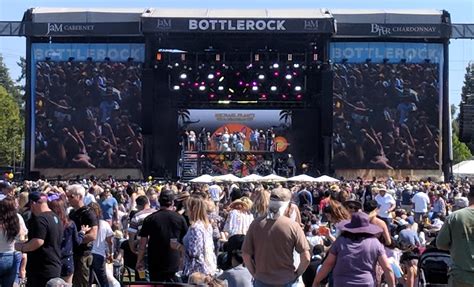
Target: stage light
(275,66)
(255,88)
(298,88)
(284,96)
(176,64)
(212,96)
(263,96)
(273,88)
(176,88)
(159,56)
(257,57)
(220,88)
(299,97)
(183,76)
(202,88)
(288,77)
(276,74)
(296,65)
(221,79)
(210,76)
(261,77)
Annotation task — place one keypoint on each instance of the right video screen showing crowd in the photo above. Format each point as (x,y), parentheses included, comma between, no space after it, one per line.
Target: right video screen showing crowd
(386,105)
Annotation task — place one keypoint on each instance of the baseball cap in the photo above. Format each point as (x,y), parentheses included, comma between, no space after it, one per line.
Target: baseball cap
(280,194)
(5,185)
(36,196)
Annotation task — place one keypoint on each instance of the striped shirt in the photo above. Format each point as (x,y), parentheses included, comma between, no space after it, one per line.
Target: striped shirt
(137,220)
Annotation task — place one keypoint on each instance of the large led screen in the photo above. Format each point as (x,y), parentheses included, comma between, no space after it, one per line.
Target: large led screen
(87,109)
(241,142)
(387,105)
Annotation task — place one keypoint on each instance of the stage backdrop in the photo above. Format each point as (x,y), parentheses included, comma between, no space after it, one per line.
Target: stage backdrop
(86,106)
(387,105)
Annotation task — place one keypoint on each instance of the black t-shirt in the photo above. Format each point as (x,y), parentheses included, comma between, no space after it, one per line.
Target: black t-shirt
(129,258)
(83,216)
(160,227)
(45,262)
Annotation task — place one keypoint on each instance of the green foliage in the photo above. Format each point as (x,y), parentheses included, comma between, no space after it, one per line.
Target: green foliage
(460,150)
(11,129)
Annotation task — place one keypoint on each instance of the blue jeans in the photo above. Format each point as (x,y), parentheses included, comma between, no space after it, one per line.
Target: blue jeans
(8,267)
(293,283)
(98,266)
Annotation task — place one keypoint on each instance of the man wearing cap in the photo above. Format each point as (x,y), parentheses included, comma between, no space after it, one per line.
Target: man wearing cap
(6,188)
(157,231)
(82,215)
(269,244)
(45,232)
(457,236)
(386,204)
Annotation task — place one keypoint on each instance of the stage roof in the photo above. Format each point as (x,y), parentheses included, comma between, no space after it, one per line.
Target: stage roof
(342,23)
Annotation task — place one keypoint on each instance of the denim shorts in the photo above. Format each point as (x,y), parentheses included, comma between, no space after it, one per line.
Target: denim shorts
(67,266)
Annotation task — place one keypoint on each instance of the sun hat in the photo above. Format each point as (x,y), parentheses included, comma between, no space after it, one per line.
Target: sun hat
(240,204)
(359,223)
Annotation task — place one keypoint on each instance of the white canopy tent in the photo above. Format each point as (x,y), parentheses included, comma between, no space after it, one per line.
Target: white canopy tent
(252,178)
(227,178)
(325,178)
(303,178)
(205,178)
(273,178)
(464,169)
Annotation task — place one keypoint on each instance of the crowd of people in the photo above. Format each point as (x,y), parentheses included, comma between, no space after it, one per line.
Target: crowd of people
(88,114)
(349,233)
(386,115)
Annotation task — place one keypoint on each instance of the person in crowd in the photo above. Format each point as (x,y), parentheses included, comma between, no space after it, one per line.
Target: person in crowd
(159,230)
(9,230)
(386,204)
(198,244)
(238,275)
(239,217)
(109,207)
(421,201)
(102,248)
(316,260)
(370,207)
(260,198)
(269,244)
(71,237)
(439,206)
(136,223)
(6,188)
(354,254)
(45,232)
(457,235)
(335,212)
(82,215)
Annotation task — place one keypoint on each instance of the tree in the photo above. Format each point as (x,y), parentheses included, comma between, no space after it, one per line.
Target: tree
(11,129)
(8,83)
(460,150)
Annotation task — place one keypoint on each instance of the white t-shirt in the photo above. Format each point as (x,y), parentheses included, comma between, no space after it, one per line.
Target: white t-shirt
(89,198)
(384,202)
(421,201)
(100,244)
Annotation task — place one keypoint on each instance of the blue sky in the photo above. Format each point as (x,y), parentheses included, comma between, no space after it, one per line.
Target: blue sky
(462,11)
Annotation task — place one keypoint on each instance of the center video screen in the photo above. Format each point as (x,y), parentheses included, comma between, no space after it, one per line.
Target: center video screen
(386,116)
(87,114)
(237,141)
